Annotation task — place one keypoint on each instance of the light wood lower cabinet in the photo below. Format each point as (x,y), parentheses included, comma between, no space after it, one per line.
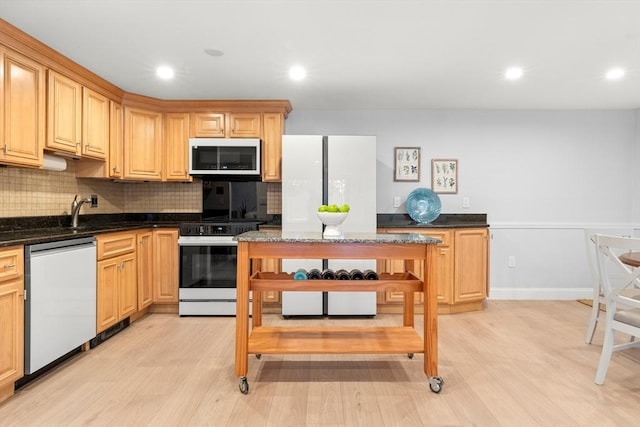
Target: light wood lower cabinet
(117,288)
(11,318)
(144,257)
(462,274)
(165,260)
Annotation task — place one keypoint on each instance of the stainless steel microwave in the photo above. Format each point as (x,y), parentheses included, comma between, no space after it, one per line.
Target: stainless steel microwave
(225,159)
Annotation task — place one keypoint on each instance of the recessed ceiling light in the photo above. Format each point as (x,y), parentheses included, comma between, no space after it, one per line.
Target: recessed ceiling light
(297,73)
(513,73)
(213,52)
(164,72)
(615,74)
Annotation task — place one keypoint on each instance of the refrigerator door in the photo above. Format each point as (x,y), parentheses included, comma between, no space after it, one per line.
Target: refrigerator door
(301,195)
(351,179)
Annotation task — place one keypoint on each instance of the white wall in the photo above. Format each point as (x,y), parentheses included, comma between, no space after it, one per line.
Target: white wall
(541,177)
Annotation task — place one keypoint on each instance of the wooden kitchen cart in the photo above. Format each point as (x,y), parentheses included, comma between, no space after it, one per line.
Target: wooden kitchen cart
(413,248)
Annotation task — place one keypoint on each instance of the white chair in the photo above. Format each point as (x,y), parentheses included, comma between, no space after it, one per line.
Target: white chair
(598,295)
(616,278)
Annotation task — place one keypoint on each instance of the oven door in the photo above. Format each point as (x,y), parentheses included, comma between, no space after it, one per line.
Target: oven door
(207,276)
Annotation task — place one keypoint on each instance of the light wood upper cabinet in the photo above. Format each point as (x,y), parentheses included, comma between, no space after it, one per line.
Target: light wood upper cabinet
(272,131)
(77,118)
(64,114)
(243,125)
(207,125)
(176,153)
(95,124)
(165,258)
(142,144)
(225,125)
(22,116)
(11,318)
(115,160)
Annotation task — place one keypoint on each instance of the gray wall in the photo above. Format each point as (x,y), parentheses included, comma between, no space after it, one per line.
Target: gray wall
(541,177)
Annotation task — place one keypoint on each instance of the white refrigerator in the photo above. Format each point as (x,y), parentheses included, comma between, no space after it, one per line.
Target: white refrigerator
(319,170)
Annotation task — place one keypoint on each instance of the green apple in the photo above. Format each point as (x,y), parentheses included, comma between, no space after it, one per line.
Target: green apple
(344,208)
(322,208)
(332,208)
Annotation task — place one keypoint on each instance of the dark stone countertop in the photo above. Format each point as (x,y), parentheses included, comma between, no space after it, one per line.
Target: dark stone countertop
(443,221)
(33,230)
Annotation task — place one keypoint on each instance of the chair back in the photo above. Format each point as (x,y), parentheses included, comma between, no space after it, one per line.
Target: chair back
(615,277)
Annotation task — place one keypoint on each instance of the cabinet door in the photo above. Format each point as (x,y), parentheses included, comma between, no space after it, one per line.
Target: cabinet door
(11,332)
(176,153)
(95,124)
(471,260)
(207,125)
(243,125)
(22,112)
(128,286)
(64,114)
(144,256)
(142,144)
(165,260)
(116,141)
(273,128)
(107,294)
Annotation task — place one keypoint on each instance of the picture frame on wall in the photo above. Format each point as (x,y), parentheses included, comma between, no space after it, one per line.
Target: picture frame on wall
(406,164)
(444,176)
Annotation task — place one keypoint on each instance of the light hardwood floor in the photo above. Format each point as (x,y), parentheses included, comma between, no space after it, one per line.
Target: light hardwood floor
(517,363)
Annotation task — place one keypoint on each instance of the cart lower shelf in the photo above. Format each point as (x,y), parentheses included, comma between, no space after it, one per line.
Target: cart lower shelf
(337,340)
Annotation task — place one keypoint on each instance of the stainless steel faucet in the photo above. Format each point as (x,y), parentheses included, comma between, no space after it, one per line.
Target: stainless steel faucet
(75,209)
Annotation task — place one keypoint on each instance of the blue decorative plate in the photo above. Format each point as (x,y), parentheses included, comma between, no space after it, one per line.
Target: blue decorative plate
(423,205)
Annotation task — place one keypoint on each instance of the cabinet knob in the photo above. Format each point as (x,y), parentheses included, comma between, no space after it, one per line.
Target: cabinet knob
(9,266)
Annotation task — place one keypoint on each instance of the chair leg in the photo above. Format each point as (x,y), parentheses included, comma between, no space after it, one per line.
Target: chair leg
(593,320)
(605,356)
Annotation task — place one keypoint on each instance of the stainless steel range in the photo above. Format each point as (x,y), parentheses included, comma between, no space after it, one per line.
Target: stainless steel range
(208,267)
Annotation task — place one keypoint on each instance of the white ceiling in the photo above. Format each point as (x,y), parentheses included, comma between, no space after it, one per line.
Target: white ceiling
(359,54)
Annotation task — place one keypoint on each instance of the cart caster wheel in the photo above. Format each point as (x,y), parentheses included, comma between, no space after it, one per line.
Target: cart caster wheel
(436,384)
(258,356)
(244,385)
(410,355)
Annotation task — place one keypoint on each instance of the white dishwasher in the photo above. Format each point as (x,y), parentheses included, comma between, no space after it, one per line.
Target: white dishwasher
(60,299)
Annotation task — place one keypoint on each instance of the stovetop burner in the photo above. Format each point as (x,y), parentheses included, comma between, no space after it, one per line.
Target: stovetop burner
(217,228)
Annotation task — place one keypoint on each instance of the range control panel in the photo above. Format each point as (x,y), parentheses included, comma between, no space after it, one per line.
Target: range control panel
(216,229)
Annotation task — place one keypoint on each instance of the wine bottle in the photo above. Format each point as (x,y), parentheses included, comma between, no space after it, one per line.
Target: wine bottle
(314,274)
(343,274)
(356,274)
(328,274)
(300,274)
(370,275)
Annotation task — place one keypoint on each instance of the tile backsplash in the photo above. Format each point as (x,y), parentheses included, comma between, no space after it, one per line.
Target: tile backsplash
(36,192)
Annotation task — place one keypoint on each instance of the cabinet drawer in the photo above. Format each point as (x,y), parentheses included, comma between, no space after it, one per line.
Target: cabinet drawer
(114,244)
(11,262)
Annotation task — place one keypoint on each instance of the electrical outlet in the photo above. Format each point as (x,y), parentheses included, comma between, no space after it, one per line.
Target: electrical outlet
(512,261)
(396,202)
(466,202)
(94,200)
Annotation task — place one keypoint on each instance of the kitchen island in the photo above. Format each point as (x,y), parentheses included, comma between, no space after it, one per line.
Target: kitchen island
(416,250)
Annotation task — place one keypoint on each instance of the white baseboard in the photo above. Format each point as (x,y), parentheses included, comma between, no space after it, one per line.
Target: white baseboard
(540,293)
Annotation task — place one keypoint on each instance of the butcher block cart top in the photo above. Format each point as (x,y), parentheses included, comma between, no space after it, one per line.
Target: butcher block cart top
(413,248)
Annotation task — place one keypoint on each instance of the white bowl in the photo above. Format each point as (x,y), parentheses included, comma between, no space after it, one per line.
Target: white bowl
(331,220)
